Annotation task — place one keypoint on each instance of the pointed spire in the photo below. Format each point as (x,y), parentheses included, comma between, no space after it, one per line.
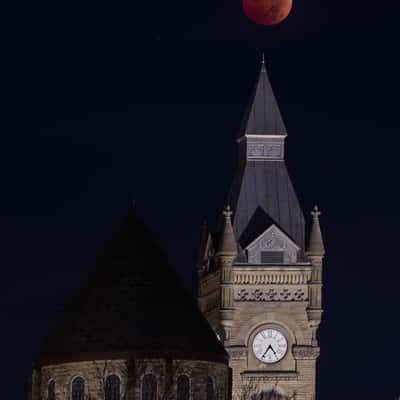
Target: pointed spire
(316,244)
(262,116)
(227,244)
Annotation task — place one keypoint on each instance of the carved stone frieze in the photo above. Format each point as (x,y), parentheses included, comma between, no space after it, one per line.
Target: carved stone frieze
(305,352)
(280,294)
(268,376)
(271,277)
(267,151)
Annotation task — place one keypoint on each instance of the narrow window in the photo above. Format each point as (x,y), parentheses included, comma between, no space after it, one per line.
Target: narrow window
(210,389)
(112,388)
(78,389)
(149,387)
(51,391)
(183,388)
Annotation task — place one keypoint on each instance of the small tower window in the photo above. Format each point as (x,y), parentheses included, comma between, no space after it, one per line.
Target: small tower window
(210,389)
(78,389)
(272,257)
(112,388)
(183,388)
(149,387)
(51,391)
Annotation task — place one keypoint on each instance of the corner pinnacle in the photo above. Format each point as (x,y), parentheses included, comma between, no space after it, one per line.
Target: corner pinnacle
(227,245)
(316,245)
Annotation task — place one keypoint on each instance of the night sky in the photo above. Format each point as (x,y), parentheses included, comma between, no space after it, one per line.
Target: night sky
(111,104)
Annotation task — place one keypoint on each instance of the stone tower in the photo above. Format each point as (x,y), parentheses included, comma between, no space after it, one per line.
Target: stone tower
(259,284)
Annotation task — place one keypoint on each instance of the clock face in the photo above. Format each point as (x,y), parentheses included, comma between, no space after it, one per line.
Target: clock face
(269,346)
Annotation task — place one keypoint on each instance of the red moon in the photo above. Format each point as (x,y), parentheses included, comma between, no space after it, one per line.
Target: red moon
(267,12)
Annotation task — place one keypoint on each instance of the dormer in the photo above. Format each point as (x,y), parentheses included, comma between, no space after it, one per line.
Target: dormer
(273,246)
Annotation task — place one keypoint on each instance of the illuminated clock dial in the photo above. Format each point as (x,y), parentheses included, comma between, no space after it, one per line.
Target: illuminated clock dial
(269,346)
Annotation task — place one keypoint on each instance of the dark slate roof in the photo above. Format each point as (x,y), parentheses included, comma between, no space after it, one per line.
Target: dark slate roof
(262,116)
(133,304)
(266,186)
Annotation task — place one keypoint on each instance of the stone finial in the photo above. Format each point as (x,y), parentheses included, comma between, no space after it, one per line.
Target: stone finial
(227,244)
(316,244)
(227,213)
(315,213)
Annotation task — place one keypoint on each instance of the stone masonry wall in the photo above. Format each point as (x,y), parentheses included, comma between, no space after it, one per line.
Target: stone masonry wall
(271,297)
(130,373)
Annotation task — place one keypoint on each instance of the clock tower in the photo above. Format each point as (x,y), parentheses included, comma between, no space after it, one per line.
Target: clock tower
(259,281)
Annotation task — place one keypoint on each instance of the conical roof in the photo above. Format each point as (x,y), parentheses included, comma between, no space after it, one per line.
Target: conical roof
(132,305)
(316,244)
(262,116)
(227,243)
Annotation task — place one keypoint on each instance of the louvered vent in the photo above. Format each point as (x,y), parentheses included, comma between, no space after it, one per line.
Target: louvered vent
(272,257)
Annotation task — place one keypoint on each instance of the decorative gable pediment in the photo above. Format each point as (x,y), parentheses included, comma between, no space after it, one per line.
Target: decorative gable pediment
(272,246)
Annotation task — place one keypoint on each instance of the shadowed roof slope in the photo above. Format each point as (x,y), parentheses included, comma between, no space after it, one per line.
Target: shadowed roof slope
(266,185)
(132,305)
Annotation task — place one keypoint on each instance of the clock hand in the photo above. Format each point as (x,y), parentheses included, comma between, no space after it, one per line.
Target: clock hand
(266,351)
(276,356)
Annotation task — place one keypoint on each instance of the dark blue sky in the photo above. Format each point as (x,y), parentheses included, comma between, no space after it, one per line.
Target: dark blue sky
(113,102)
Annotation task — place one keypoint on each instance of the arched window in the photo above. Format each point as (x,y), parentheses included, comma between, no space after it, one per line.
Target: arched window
(51,391)
(210,389)
(149,387)
(78,389)
(112,388)
(183,388)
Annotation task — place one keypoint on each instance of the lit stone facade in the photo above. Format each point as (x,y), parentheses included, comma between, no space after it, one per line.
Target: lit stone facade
(131,373)
(295,374)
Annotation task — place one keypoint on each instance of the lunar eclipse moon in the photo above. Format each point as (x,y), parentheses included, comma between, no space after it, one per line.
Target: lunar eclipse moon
(267,12)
